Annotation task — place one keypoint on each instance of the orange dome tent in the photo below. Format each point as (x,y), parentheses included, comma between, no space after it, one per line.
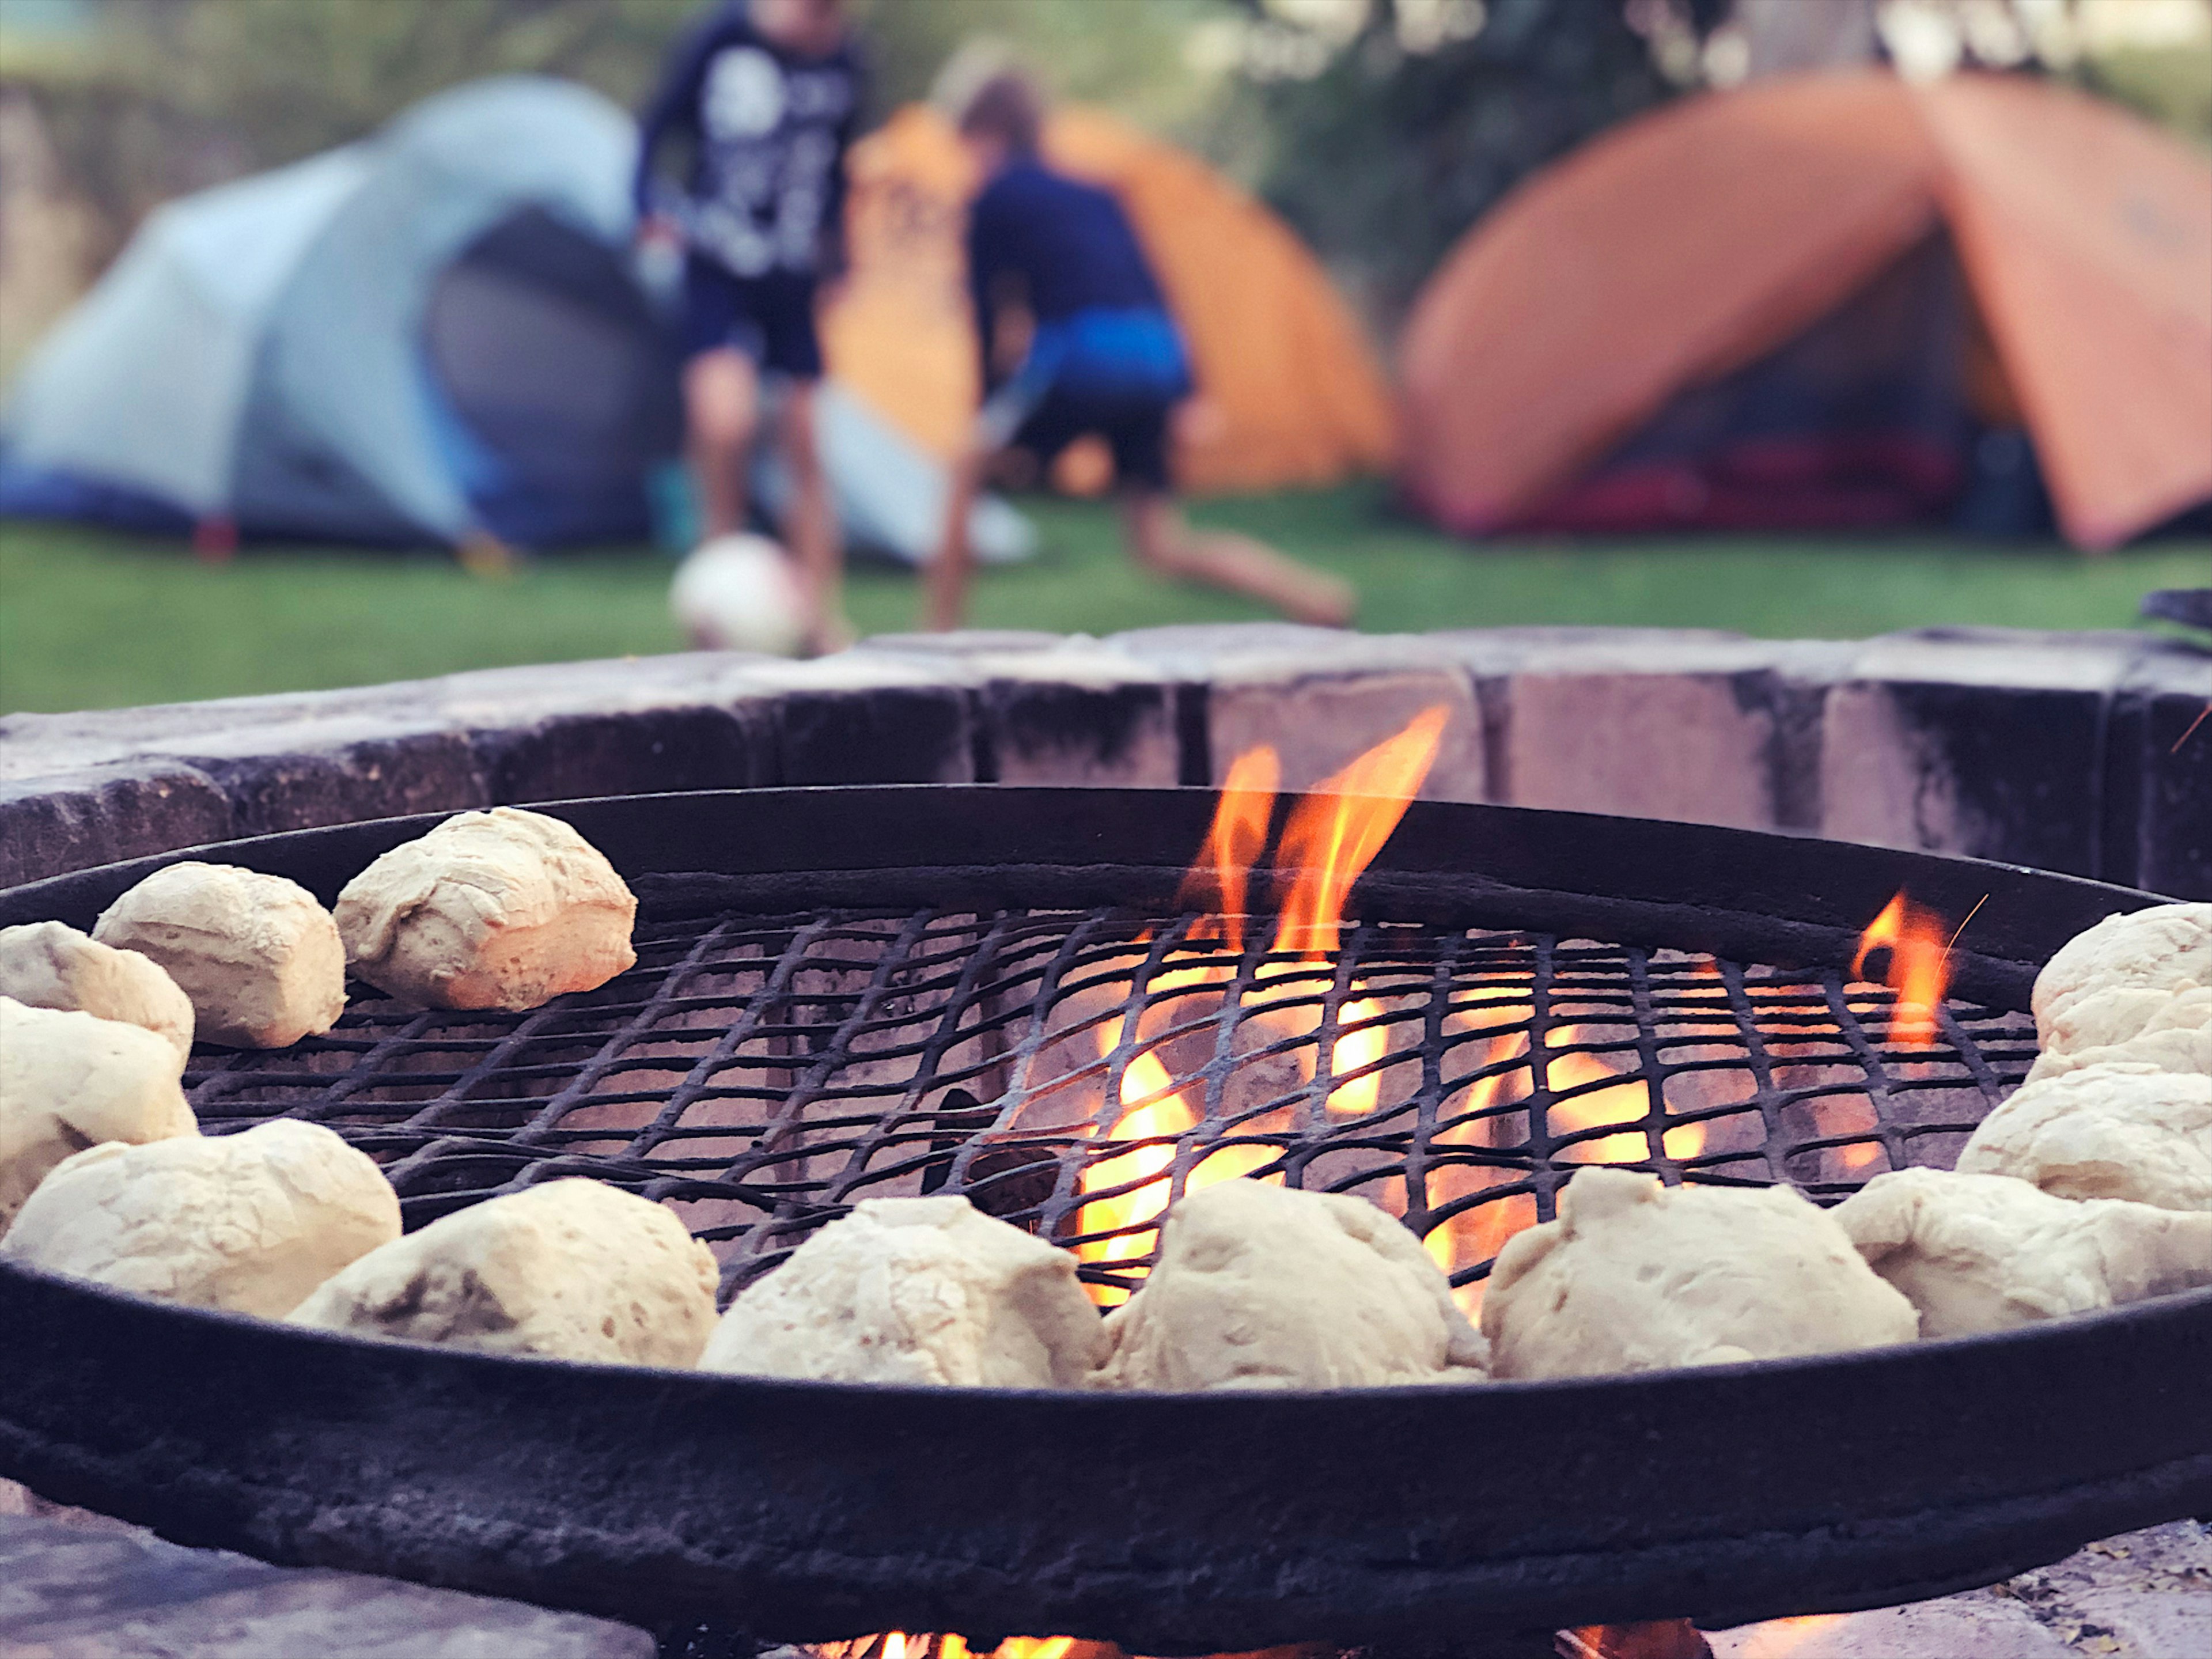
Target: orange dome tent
(1621,285)
(1288,391)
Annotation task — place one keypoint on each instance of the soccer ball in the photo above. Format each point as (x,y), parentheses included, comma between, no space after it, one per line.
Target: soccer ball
(740,593)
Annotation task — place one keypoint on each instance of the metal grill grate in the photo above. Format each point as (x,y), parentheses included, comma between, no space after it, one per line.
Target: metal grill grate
(764,1073)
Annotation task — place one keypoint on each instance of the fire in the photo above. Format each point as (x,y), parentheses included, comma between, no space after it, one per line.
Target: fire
(1335,833)
(1607,1096)
(1363,1039)
(1919,969)
(1219,880)
(1332,837)
(1152,1111)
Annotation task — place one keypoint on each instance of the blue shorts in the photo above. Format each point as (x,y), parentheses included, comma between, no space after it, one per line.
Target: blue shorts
(1135,430)
(1116,373)
(769,318)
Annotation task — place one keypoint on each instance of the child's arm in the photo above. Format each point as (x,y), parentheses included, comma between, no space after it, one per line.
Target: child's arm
(672,109)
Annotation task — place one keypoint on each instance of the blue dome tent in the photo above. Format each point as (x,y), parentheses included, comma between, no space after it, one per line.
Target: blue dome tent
(427,333)
(430,334)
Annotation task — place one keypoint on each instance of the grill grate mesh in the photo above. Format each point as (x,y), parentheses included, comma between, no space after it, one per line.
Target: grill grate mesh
(763,1073)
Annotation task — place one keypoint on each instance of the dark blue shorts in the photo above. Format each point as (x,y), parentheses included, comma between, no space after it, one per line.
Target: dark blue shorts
(769,318)
(1135,430)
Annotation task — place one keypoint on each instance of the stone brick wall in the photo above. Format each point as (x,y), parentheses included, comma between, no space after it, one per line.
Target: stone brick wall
(2064,751)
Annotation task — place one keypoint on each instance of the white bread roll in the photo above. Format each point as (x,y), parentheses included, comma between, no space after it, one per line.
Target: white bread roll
(46,965)
(69,1081)
(258,957)
(497,909)
(569,1270)
(920,1291)
(251,1222)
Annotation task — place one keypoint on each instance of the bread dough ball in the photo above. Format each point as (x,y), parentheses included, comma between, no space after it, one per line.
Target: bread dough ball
(46,965)
(2115,1130)
(2149,1027)
(497,909)
(251,1222)
(569,1270)
(2164,951)
(917,1290)
(1637,1277)
(69,1081)
(1987,1253)
(1260,1286)
(259,959)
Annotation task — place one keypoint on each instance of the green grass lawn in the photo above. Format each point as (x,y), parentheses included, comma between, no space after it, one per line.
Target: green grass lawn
(90,621)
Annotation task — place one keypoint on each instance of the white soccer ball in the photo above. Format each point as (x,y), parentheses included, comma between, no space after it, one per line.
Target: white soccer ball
(740,593)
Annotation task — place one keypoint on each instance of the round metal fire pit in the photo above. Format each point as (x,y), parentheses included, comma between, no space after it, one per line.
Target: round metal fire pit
(847,992)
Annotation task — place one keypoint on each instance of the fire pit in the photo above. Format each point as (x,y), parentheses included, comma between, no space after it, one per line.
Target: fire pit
(852,992)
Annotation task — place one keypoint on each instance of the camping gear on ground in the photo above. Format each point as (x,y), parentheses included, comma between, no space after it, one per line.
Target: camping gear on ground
(1288,391)
(1831,300)
(432,334)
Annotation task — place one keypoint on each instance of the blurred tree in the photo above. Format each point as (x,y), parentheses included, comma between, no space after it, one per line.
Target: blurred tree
(1395,122)
(157,97)
(1143,63)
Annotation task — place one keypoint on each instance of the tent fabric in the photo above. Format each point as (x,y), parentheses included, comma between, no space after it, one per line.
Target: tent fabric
(1688,246)
(258,352)
(1288,392)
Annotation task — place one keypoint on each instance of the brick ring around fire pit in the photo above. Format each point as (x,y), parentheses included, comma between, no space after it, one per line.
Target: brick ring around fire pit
(850,992)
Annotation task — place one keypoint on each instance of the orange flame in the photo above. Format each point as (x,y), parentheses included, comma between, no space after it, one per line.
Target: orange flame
(1220,878)
(1151,1110)
(1363,1040)
(1154,1110)
(1919,969)
(1477,1233)
(1335,832)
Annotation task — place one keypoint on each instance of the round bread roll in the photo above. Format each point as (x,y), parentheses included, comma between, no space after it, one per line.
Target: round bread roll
(2147,1028)
(1637,1277)
(497,909)
(2163,950)
(1986,1252)
(46,965)
(569,1270)
(258,957)
(69,1081)
(251,1222)
(1266,1287)
(925,1291)
(2116,1130)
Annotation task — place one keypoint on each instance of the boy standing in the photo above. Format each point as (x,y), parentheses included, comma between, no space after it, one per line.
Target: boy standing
(768,94)
(1104,358)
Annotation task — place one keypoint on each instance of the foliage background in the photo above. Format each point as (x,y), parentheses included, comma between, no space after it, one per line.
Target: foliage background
(1381,128)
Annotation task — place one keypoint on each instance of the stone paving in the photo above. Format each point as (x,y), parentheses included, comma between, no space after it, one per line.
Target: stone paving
(2142,1596)
(75,1585)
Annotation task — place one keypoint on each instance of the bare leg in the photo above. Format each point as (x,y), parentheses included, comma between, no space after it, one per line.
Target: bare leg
(721,415)
(948,573)
(1163,541)
(811,528)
